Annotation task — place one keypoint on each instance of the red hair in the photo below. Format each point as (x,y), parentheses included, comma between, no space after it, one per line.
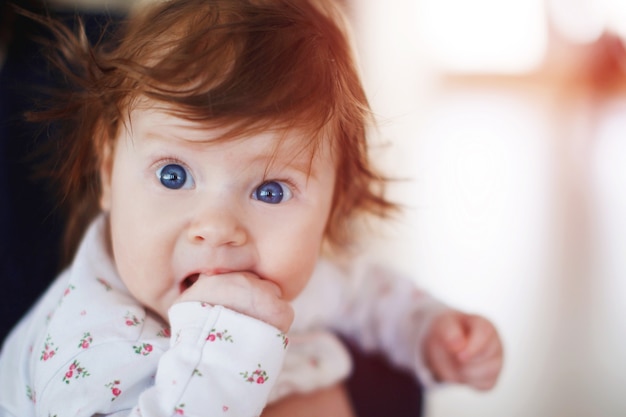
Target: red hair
(244,65)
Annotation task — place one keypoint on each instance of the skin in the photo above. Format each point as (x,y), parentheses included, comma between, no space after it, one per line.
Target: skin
(332,401)
(247,254)
(464,349)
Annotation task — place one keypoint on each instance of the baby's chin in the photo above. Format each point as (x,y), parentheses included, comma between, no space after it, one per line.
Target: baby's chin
(160,316)
(160,313)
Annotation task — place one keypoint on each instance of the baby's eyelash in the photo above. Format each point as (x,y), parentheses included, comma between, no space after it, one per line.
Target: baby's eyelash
(287,181)
(161,162)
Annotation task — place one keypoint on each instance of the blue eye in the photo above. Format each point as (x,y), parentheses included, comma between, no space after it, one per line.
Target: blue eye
(272,192)
(174,177)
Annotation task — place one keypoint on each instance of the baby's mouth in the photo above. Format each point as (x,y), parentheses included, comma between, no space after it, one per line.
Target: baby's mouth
(188,282)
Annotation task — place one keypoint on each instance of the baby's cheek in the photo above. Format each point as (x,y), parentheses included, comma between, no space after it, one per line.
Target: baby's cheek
(290,261)
(297,282)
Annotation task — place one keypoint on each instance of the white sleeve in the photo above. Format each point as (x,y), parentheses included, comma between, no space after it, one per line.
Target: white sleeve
(218,361)
(385,311)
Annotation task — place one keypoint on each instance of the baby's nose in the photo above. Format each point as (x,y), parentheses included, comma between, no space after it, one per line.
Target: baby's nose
(216,226)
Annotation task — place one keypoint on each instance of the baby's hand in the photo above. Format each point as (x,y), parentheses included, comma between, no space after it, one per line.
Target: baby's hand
(465,349)
(245,293)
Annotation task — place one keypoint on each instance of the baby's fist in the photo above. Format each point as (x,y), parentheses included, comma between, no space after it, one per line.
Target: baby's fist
(245,293)
(463,348)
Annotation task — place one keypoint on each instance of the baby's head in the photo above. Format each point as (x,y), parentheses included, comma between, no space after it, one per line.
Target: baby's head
(260,98)
(241,66)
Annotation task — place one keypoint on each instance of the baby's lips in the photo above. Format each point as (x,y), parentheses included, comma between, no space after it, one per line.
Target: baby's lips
(193,278)
(188,282)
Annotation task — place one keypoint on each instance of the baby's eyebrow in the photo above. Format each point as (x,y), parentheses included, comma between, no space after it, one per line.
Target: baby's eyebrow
(298,163)
(301,162)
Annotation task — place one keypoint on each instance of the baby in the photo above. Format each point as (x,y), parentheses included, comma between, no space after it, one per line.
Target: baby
(207,156)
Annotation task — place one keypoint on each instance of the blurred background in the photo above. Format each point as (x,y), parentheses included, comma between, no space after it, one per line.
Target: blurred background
(506,122)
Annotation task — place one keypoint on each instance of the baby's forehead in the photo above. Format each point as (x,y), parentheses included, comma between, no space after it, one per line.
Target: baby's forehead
(281,145)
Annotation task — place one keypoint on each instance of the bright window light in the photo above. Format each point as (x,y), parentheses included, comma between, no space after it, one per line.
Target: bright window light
(584,21)
(579,21)
(616,19)
(485,36)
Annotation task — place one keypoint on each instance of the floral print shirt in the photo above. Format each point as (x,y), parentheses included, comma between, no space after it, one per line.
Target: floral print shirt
(88,348)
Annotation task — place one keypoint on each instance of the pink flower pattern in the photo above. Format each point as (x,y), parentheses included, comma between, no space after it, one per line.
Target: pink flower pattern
(49,350)
(165,332)
(131,320)
(223,336)
(115,389)
(179,411)
(31,394)
(144,349)
(105,284)
(75,371)
(285,339)
(86,341)
(68,290)
(258,376)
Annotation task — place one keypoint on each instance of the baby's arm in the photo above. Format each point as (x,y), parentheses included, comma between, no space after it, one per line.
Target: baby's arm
(217,357)
(220,362)
(386,311)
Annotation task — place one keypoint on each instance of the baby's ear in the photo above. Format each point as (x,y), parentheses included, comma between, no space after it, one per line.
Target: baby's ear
(106,171)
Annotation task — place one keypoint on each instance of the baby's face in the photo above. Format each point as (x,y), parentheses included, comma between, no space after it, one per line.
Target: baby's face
(181,205)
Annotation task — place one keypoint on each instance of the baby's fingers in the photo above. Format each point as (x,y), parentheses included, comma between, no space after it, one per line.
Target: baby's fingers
(482,340)
(442,365)
(447,329)
(245,293)
(483,375)
(493,349)
(266,306)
